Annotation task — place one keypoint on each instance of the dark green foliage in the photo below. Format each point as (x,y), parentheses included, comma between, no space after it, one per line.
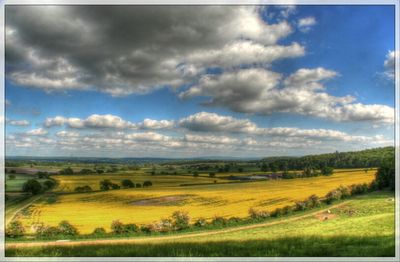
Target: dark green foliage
(83,189)
(11,177)
(42,174)
(66,229)
(131,228)
(344,191)
(360,159)
(47,231)
(219,221)
(333,196)
(49,184)
(200,222)
(115,186)
(32,186)
(195,174)
(313,201)
(327,171)
(99,171)
(15,229)
(106,184)
(359,189)
(67,171)
(147,183)
(211,174)
(385,177)
(138,185)
(99,231)
(117,227)
(127,183)
(86,171)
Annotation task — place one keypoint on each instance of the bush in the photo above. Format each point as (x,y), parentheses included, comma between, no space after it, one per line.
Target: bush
(333,196)
(219,221)
(83,189)
(99,231)
(42,174)
(258,214)
(15,229)
(86,171)
(200,222)
(313,201)
(105,184)
(115,186)
(165,225)
(47,231)
(131,228)
(138,185)
(345,191)
(359,189)
(327,171)
(300,206)
(65,228)
(49,184)
(127,183)
(180,220)
(117,227)
(147,183)
(11,177)
(66,171)
(211,174)
(147,228)
(234,220)
(32,186)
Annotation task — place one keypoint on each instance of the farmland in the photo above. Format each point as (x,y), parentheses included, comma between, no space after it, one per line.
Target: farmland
(87,211)
(362,226)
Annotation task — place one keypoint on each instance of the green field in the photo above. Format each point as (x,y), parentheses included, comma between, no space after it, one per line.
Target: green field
(361,226)
(15,185)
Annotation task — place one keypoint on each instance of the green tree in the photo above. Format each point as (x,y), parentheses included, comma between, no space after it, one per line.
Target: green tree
(127,183)
(32,186)
(15,229)
(385,176)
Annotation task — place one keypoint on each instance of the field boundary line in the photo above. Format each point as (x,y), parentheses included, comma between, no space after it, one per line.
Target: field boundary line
(173,237)
(21,208)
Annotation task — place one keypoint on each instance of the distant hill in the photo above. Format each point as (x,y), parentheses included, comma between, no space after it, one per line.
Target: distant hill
(353,159)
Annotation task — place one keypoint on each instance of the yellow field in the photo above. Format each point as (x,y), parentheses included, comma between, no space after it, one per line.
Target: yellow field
(145,205)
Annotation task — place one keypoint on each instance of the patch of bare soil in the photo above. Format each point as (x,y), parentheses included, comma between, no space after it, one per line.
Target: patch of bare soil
(326,215)
(174,200)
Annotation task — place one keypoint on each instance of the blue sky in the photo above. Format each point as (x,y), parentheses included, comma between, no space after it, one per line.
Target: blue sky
(329,53)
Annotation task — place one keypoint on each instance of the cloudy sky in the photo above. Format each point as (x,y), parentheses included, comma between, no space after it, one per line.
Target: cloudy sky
(198,81)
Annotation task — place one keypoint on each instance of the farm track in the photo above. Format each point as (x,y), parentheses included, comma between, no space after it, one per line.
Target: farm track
(14,213)
(161,238)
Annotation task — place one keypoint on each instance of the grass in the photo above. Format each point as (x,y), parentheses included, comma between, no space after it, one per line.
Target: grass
(363,226)
(15,185)
(145,205)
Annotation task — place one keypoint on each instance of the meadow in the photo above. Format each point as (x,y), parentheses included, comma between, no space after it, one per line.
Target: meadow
(360,226)
(224,198)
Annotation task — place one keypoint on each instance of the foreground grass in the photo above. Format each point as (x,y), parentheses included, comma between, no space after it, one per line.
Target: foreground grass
(363,226)
(374,246)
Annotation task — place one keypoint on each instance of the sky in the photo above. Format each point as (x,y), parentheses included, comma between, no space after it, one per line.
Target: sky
(195,81)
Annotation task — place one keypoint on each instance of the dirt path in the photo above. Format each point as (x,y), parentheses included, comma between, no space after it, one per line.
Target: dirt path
(10,217)
(160,238)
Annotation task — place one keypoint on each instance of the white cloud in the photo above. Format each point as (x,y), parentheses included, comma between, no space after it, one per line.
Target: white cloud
(389,64)
(67,134)
(305,24)
(143,48)
(18,122)
(264,92)
(156,124)
(37,132)
(93,121)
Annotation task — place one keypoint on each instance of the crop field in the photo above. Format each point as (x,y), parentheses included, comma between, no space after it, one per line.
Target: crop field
(145,205)
(361,226)
(16,183)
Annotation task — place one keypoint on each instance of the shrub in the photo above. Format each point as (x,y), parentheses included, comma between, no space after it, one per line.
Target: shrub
(195,174)
(105,184)
(67,171)
(200,222)
(147,228)
(345,191)
(165,225)
(115,186)
(147,183)
(138,185)
(300,206)
(32,186)
(327,171)
(127,183)
(287,210)
(359,189)
(42,174)
(99,231)
(313,201)
(47,231)
(117,227)
(15,229)
(65,228)
(219,221)
(180,220)
(49,184)
(11,177)
(83,189)
(333,195)
(258,214)
(211,174)
(234,220)
(130,228)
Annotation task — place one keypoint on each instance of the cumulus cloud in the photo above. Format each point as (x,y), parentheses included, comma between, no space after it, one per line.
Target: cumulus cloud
(156,124)
(260,91)
(37,132)
(135,49)
(305,24)
(211,122)
(389,64)
(93,121)
(18,122)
